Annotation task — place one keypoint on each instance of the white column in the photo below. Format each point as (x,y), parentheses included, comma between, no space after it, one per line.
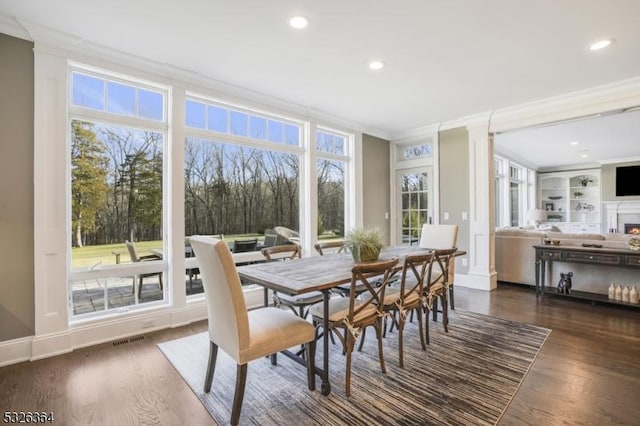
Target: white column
(51,235)
(482,274)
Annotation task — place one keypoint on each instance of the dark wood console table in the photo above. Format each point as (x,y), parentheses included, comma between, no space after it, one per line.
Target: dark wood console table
(577,254)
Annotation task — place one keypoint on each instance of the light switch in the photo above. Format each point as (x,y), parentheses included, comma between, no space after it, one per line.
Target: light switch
(386,215)
(446,215)
(464,216)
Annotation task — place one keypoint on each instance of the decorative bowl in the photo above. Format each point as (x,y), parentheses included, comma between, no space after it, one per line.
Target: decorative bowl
(555,197)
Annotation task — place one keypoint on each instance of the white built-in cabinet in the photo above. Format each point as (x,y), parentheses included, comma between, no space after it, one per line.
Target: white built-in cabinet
(572,200)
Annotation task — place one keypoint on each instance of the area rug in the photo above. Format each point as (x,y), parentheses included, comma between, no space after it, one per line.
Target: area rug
(466,376)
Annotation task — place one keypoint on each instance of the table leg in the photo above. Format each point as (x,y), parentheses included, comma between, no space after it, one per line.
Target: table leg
(543,276)
(537,276)
(266,296)
(326,386)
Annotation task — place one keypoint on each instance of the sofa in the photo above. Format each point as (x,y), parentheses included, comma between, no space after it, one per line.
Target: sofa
(515,259)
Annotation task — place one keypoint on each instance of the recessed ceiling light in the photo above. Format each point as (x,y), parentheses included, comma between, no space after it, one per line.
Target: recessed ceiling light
(585,155)
(574,143)
(298,22)
(600,44)
(376,65)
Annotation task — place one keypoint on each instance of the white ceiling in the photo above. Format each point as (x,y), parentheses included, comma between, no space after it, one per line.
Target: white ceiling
(445,59)
(609,137)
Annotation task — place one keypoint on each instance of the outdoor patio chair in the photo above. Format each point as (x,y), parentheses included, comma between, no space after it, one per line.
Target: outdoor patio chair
(286,236)
(299,304)
(270,238)
(349,316)
(244,335)
(242,246)
(135,258)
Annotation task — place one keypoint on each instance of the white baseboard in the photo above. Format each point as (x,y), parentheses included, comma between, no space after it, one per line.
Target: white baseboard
(100,331)
(477,281)
(15,351)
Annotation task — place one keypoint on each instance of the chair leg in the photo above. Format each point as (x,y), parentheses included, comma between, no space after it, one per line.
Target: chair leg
(139,287)
(426,325)
(445,314)
(349,344)
(451,302)
(378,326)
(434,309)
(241,379)
(211,368)
(160,280)
(400,348)
(420,326)
(364,333)
(274,359)
(310,352)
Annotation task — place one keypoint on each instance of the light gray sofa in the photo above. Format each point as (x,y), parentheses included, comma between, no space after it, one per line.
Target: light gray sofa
(515,259)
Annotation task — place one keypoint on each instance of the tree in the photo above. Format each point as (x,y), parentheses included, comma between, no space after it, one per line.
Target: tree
(88,178)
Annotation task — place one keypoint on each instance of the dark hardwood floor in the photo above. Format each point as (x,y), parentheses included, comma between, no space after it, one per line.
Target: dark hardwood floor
(588,371)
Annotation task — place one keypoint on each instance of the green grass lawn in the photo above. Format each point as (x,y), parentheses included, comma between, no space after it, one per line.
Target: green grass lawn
(84,257)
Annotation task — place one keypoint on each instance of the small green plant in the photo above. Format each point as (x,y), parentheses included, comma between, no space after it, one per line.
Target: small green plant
(584,181)
(364,243)
(578,194)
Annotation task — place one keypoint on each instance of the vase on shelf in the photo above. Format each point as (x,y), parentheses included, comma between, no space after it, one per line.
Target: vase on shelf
(612,291)
(633,295)
(625,294)
(618,294)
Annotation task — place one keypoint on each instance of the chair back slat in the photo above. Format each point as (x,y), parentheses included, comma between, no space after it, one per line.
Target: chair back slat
(290,251)
(417,265)
(374,294)
(321,247)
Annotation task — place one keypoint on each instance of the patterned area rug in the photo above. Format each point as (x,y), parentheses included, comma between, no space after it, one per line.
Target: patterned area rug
(466,376)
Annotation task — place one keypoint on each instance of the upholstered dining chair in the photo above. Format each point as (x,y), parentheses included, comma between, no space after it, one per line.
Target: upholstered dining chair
(133,254)
(244,335)
(300,303)
(353,314)
(408,296)
(436,286)
(441,237)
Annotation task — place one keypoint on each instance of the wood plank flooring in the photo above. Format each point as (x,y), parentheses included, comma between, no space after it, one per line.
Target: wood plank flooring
(588,372)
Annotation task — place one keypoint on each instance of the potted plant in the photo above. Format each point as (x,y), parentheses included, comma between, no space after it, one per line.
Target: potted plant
(364,243)
(585,180)
(578,194)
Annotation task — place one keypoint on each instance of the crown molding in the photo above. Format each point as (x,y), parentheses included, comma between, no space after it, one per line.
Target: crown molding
(81,50)
(620,160)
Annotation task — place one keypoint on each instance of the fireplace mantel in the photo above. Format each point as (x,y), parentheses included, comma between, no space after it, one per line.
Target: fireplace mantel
(615,208)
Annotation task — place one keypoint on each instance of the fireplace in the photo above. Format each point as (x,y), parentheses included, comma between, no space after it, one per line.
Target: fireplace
(630,227)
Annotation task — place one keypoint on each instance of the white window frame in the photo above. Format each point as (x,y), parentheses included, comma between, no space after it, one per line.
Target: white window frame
(99,272)
(526,180)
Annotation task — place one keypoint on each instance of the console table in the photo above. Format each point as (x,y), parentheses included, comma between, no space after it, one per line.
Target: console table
(577,254)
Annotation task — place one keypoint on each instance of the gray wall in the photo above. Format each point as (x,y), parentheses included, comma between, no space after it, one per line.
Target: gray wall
(375,183)
(609,182)
(16,186)
(454,184)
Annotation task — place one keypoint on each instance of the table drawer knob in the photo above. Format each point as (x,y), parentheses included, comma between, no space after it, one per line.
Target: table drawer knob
(591,257)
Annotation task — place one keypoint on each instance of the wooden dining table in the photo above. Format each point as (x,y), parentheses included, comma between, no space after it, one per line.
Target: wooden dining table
(317,273)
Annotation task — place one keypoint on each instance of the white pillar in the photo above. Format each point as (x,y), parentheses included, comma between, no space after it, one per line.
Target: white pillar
(482,274)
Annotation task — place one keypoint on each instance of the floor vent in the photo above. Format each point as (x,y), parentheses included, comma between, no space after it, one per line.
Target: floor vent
(129,340)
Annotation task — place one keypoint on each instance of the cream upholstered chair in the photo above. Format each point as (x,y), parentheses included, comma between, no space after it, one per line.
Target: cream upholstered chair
(441,237)
(244,336)
(436,284)
(408,296)
(301,302)
(354,313)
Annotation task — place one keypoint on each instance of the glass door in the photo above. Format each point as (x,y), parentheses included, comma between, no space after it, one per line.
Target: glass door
(416,207)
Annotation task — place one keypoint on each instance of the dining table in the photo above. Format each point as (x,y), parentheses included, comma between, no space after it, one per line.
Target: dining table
(316,273)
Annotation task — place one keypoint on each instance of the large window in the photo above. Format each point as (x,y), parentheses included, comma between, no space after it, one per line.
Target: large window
(117,141)
(515,192)
(331,171)
(242,174)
